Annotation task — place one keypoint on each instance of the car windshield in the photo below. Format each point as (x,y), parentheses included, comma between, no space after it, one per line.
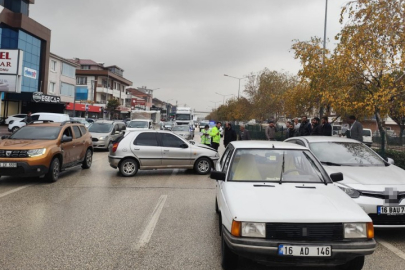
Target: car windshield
(138,124)
(183,117)
(36,133)
(101,128)
(345,153)
(268,165)
(180,128)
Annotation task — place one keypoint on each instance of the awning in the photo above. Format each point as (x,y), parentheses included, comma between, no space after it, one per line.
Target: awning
(82,107)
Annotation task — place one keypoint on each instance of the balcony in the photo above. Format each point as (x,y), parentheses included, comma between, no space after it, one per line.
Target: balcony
(105,90)
(116,93)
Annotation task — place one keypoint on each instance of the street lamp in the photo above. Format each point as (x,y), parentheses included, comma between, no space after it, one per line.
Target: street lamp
(226,75)
(223,101)
(215,102)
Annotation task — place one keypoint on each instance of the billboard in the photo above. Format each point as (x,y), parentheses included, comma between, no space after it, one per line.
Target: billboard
(82,93)
(135,102)
(10,70)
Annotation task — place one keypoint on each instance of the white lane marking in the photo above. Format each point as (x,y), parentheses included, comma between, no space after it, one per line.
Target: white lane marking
(13,190)
(147,233)
(395,250)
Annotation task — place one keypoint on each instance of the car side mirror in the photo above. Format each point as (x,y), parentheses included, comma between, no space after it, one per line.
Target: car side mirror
(183,146)
(336,177)
(5,137)
(66,139)
(217,175)
(391,161)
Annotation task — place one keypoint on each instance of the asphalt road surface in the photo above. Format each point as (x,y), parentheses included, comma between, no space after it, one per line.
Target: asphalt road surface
(96,219)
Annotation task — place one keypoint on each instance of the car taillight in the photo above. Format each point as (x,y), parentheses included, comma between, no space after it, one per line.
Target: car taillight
(115,146)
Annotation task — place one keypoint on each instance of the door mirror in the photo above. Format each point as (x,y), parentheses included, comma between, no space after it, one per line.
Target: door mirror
(217,175)
(183,145)
(66,139)
(391,161)
(336,177)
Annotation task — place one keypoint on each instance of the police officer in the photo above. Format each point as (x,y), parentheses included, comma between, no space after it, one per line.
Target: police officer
(205,137)
(216,136)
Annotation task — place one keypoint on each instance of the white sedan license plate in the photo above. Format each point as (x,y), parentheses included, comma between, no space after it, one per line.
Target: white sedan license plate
(391,210)
(8,165)
(304,251)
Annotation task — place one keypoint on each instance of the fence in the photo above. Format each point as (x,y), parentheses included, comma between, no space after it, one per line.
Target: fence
(258,132)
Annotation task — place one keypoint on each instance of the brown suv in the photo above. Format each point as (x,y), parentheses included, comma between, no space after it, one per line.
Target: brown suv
(45,149)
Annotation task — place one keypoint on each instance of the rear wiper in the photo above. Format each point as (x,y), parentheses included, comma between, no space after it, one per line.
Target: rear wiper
(330,163)
(282,169)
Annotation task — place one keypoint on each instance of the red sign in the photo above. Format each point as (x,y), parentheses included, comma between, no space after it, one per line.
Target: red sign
(135,102)
(82,107)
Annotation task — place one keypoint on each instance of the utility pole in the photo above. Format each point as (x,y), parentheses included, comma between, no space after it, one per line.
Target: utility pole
(323,53)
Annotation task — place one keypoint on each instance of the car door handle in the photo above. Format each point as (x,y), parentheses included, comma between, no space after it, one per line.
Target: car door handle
(137,149)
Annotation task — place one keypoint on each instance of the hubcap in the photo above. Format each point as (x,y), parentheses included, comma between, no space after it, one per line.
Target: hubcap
(129,167)
(56,169)
(203,166)
(88,158)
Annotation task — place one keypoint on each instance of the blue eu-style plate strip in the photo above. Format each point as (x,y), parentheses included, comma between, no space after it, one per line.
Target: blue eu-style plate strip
(379,210)
(280,250)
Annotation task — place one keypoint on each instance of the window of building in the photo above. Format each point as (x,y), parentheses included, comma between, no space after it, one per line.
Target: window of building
(68,70)
(53,65)
(67,89)
(17,6)
(52,87)
(81,80)
(85,67)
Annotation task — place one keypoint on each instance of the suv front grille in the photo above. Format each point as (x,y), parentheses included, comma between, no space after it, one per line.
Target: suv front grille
(13,154)
(305,231)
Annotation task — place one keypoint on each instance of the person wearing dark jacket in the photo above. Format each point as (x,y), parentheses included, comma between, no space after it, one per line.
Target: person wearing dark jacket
(316,127)
(244,134)
(290,130)
(305,127)
(230,134)
(326,127)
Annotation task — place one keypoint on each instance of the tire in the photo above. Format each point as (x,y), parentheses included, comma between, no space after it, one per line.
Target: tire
(14,129)
(203,166)
(88,159)
(54,171)
(229,260)
(216,206)
(128,167)
(355,264)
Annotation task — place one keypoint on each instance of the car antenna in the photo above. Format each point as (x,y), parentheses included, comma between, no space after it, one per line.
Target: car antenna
(282,169)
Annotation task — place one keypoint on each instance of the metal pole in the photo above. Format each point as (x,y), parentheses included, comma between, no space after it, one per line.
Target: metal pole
(239,89)
(74,103)
(1,95)
(324,32)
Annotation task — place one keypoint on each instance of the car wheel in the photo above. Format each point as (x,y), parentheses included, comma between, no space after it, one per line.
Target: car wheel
(128,167)
(203,166)
(229,260)
(54,170)
(88,159)
(14,129)
(355,264)
(216,206)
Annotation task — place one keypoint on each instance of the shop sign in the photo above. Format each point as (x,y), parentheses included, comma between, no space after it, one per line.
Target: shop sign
(30,73)
(39,97)
(9,61)
(135,102)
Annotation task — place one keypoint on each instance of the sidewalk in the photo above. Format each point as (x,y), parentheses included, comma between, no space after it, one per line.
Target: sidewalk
(4,131)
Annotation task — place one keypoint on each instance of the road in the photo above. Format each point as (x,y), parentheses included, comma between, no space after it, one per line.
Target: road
(96,219)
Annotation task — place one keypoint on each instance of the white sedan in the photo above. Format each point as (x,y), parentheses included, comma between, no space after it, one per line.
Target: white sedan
(376,185)
(276,204)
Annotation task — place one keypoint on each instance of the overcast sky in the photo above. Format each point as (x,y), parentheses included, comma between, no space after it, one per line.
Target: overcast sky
(184,47)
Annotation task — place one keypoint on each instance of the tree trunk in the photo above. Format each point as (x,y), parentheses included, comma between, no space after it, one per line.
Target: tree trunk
(382,132)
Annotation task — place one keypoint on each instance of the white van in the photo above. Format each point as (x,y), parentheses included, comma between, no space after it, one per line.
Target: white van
(139,124)
(54,117)
(367,137)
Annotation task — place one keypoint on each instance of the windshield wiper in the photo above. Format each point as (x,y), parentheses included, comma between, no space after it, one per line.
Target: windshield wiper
(282,169)
(330,163)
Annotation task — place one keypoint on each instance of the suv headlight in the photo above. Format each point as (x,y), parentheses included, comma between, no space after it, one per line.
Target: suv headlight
(36,152)
(351,192)
(253,229)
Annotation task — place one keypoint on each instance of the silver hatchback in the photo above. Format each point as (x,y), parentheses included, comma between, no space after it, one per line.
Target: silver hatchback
(159,150)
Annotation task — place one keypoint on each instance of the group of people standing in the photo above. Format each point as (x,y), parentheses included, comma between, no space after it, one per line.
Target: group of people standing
(212,137)
(317,127)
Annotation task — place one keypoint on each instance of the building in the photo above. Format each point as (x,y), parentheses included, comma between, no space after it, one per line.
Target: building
(140,99)
(19,32)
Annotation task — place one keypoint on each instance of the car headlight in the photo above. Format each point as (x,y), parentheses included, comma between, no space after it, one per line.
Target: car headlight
(36,152)
(101,138)
(351,192)
(253,229)
(359,230)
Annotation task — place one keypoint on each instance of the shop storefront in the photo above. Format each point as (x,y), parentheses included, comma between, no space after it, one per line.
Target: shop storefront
(84,110)
(32,102)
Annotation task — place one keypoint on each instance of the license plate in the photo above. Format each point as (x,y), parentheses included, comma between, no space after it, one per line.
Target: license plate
(8,165)
(391,210)
(304,251)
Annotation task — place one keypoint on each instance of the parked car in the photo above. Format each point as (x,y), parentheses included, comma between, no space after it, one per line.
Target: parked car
(375,184)
(185,132)
(166,125)
(16,117)
(203,124)
(105,132)
(139,124)
(54,117)
(45,150)
(81,120)
(149,149)
(367,137)
(277,204)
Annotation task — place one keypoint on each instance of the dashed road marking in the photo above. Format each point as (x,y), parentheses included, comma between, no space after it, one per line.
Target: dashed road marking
(392,248)
(13,191)
(147,233)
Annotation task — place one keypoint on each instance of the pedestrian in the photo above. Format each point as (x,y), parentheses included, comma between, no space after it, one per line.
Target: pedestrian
(356,129)
(326,127)
(230,134)
(244,134)
(28,118)
(271,131)
(290,130)
(205,137)
(305,127)
(296,127)
(215,136)
(316,127)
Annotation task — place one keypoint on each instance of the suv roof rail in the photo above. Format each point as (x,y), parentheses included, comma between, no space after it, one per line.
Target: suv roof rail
(69,121)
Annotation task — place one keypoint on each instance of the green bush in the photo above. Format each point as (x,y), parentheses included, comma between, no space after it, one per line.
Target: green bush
(397,156)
